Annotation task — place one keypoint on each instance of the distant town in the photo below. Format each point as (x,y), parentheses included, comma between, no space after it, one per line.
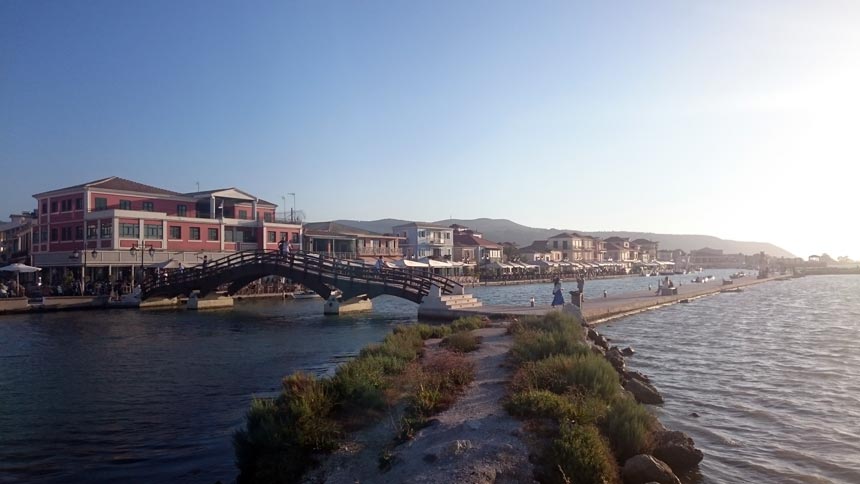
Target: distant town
(107,229)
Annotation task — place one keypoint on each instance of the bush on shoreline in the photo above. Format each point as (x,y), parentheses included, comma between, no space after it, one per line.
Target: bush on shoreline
(282,436)
(596,426)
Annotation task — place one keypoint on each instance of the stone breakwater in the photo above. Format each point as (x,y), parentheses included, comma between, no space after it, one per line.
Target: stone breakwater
(673,452)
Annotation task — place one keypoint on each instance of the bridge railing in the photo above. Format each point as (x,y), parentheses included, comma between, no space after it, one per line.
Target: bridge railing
(309,263)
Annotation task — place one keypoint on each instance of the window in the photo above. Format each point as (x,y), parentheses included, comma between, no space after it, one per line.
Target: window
(243,214)
(422,233)
(295,239)
(563,244)
(229,235)
(555,244)
(272,236)
(54,235)
(79,232)
(44,208)
(44,236)
(79,204)
(153,231)
(91,231)
(53,207)
(181,210)
(129,230)
(213,234)
(175,232)
(66,233)
(148,206)
(65,205)
(35,237)
(194,233)
(101,203)
(107,231)
(125,204)
(284,236)
(267,216)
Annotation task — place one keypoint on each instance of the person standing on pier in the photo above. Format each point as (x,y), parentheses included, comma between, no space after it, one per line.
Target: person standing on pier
(580,284)
(557,296)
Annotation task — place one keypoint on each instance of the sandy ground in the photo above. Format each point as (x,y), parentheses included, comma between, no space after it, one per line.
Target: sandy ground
(475,441)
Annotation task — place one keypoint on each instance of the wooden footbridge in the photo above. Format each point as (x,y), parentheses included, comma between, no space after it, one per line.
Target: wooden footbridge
(318,273)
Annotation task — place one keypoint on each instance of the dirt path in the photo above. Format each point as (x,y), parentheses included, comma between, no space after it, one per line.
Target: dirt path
(475,441)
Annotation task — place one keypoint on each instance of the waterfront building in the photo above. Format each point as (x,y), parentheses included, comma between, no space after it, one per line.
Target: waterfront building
(16,238)
(538,251)
(471,248)
(572,246)
(715,259)
(599,250)
(115,226)
(647,249)
(426,240)
(620,249)
(345,242)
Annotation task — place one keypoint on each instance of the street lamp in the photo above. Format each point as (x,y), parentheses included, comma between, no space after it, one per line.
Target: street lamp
(133,251)
(293,209)
(77,255)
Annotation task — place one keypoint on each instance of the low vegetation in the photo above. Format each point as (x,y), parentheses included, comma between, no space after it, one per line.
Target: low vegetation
(282,436)
(590,426)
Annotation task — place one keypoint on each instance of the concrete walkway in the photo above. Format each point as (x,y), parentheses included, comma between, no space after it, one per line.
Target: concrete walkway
(595,310)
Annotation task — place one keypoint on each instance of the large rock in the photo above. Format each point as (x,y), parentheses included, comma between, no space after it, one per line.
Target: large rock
(598,339)
(636,375)
(643,468)
(643,392)
(677,449)
(616,359)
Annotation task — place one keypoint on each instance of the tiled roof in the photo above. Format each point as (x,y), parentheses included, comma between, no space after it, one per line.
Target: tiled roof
(120,184)
(472,241)
(537,246)
(423,225)
(336,228)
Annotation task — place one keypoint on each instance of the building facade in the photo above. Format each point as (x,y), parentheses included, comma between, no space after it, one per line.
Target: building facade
(342,241)
(426,240)
(97,224)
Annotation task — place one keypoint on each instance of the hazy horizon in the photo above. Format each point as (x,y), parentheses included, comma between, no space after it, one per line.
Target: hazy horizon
(731,119)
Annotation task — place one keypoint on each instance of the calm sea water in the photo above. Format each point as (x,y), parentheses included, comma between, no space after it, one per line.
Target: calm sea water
(773,373)
(130,396)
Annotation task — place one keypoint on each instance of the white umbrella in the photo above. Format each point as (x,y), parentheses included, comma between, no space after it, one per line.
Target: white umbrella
(18,268)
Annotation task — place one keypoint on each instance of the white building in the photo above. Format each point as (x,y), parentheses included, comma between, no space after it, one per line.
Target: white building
(426,240)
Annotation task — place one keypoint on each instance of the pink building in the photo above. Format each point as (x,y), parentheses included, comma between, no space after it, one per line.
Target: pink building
(101,227)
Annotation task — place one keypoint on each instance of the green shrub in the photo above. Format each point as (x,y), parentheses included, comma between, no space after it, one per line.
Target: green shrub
(580,456)
(540,404)
(534,345)
(559,374)
(462,342)
(428,331)
(554,321)
(360,383)
(281,435)
(467,323)
(629,428)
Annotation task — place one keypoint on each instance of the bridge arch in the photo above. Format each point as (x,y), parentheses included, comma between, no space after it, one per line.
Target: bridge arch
(318,273)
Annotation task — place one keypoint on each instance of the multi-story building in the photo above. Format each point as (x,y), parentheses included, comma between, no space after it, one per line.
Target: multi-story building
(16,238)
(572,246)
(346,242)
(600,250)
(647,249)
(114,225)
(538,251)
(620,249)
(714,258)
(471,248)
(426,240)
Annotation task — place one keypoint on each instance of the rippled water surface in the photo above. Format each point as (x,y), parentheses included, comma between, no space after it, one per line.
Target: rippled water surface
(773,372)
(131,396)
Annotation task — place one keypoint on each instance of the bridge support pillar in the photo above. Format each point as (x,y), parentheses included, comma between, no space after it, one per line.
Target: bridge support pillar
(357,304)
(209,301)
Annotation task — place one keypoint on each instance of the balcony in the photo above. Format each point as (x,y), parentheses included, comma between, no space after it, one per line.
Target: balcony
(377,251)
(437,242)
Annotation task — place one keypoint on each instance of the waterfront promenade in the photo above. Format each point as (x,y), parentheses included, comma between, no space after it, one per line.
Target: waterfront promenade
(595,310)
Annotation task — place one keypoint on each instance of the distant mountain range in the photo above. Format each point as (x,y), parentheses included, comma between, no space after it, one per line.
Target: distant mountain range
(503,230)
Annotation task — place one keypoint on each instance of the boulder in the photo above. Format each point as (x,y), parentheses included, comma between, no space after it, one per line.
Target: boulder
(677,449)
(628,351)
(643,468)
(643,392)
(614,356)
(598,339)
(635,375)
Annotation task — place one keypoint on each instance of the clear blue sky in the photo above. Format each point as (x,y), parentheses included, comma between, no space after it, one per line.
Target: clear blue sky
(734,118)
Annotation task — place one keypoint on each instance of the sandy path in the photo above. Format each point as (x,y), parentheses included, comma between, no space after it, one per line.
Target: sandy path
(475,441)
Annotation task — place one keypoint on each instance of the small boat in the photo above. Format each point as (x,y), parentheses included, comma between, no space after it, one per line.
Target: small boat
(737,275)
(305,294)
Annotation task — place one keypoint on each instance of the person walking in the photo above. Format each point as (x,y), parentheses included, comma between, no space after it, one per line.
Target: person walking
(557,296)
(379,265)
